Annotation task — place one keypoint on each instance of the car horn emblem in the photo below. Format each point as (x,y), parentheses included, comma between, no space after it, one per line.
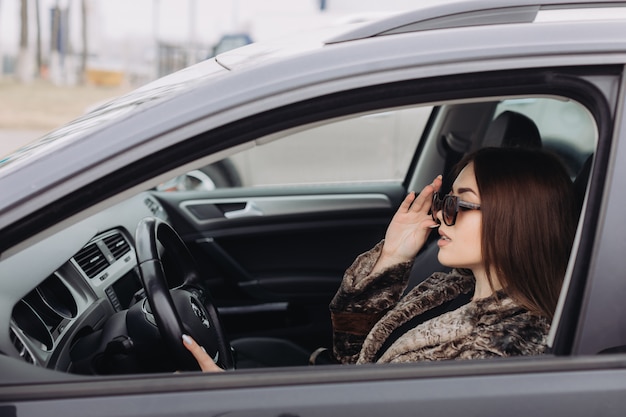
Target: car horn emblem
(199,312)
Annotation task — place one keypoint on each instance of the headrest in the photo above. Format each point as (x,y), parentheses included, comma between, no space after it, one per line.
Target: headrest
(511,129)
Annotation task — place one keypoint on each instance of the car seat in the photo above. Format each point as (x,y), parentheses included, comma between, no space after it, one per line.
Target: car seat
(264,352)
(512,129)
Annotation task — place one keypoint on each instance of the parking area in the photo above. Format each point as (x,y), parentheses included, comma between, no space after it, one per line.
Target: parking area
(27,111)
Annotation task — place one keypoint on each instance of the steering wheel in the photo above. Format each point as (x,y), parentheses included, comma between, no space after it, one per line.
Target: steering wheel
(186,309)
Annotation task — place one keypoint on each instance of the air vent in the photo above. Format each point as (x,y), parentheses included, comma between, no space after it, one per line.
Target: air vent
(117,245)
(21,348)
(91,260)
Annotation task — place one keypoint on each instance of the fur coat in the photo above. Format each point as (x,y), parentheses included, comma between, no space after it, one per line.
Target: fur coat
(367,308)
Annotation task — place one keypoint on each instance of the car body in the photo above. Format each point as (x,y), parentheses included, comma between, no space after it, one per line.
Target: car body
(327,133)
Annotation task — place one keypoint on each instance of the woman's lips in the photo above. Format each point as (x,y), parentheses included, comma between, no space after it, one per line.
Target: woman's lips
(444,240)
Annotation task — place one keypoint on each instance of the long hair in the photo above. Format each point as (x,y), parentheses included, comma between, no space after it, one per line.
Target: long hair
(528,222)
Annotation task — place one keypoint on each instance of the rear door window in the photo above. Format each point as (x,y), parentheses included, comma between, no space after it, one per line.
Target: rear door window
(370,147)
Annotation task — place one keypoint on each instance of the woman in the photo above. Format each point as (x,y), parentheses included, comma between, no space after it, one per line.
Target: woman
(506,229)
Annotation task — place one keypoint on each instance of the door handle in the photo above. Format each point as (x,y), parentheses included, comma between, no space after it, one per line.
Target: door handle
(250,210)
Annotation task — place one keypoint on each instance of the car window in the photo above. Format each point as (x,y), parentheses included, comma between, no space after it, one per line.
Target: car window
(371,147)
(375,146)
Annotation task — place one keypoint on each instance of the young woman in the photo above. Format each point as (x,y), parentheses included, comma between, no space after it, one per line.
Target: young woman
(506,228)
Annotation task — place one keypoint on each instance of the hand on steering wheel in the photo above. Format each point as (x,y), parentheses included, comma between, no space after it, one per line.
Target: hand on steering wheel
(204,360)
(187,309)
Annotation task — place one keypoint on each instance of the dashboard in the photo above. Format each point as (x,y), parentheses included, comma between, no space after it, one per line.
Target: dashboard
(72,302)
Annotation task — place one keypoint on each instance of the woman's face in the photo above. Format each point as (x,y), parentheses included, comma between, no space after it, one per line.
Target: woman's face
(460,244)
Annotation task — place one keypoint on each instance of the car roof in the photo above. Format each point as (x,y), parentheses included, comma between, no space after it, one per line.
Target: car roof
(447,15)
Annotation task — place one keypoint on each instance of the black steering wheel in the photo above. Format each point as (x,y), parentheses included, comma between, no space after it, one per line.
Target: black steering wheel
(186,309)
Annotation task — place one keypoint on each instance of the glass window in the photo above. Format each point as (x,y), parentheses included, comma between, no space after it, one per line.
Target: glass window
(372,147)
(377,146)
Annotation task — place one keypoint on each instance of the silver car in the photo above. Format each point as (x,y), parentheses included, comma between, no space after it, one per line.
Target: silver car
(308,145)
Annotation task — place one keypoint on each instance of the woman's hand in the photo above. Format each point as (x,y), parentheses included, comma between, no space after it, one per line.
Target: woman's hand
(409,228)
(198,352)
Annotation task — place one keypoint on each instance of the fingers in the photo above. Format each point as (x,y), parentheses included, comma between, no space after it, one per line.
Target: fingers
(424,199)
(407,202)
(433,187)
(437,182)
(198,352)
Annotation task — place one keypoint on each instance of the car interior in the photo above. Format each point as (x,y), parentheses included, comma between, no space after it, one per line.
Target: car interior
(259,240)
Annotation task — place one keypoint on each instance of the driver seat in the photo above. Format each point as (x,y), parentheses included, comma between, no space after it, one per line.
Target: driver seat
(264,352)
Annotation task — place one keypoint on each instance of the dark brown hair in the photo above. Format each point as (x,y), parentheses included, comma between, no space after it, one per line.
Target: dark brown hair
(528,222)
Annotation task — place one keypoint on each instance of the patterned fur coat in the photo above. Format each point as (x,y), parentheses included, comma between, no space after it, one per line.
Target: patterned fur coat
(366,313)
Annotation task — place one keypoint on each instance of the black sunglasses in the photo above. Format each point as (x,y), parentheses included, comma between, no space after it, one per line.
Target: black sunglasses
(449,206)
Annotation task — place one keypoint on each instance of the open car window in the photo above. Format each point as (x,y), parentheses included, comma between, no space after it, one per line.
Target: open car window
(378,147)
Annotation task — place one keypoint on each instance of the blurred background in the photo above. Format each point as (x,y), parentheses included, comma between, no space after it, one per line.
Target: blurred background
(60,57)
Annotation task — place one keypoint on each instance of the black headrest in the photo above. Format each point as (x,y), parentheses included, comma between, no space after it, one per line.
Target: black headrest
(511,129)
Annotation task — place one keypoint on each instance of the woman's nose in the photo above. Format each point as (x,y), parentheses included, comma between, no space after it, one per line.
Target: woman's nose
(439,216)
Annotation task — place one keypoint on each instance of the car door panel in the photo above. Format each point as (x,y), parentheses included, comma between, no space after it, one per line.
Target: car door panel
(274,260)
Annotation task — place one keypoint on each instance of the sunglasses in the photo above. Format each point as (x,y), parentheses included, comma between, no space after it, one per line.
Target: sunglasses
(449,205)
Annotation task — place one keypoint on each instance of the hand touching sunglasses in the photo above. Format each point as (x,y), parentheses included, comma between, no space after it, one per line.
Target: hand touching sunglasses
(449,205)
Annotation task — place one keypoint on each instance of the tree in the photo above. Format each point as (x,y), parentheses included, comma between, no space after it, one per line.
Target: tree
(38,34)
(85,52)
(24,69)
(1,52)
(55,56)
